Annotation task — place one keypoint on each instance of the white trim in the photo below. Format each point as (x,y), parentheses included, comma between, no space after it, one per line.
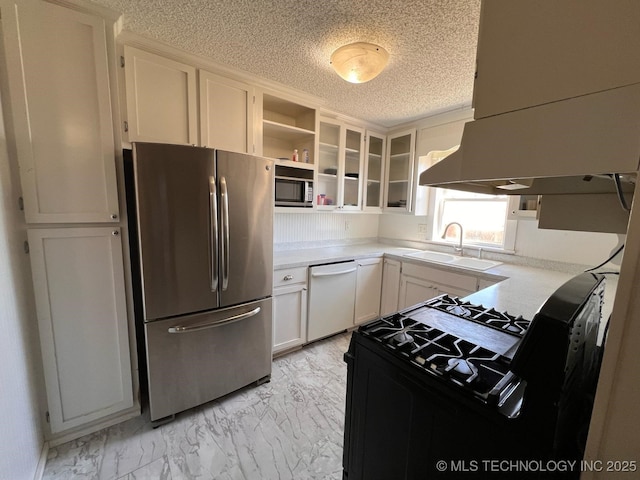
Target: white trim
(90,8)
(74,434)
(42,462)
(464,112)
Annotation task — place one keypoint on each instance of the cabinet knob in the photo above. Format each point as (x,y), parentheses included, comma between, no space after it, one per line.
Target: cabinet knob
(114,216)
(115,233)
(288,277)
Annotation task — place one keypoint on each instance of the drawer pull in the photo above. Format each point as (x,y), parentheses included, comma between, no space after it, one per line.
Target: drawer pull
(288,277)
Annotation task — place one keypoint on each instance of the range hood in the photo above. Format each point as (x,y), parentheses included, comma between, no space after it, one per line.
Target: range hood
(556,99)
(573,146)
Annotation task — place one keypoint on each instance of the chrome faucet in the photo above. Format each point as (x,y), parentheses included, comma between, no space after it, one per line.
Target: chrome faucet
(444,235)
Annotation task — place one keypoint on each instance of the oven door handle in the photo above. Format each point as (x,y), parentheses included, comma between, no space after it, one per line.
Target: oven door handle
(218,323)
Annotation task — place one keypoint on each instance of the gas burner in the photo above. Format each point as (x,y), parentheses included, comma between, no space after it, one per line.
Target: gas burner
(462,366)
(402,338)
(486,316)
(469,364)
(442,354)
(458,310)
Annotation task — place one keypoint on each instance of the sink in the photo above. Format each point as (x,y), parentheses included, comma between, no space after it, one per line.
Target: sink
(432,256)
(475,263)
(448,259)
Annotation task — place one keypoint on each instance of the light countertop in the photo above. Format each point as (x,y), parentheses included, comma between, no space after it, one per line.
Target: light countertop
(521,289)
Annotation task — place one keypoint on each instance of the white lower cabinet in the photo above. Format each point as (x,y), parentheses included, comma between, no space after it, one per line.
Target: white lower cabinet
(390,286)
(368,289)
(82,318)
(415,290)
(289,308)
(419,283)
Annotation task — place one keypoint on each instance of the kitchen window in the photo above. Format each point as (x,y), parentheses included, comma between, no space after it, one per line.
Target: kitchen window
(484,218)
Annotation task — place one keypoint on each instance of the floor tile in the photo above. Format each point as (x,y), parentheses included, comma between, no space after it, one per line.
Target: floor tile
(289,428)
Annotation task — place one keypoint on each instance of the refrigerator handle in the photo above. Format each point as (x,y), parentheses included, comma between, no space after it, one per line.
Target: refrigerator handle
(213,235)
(224,194)
(217,323)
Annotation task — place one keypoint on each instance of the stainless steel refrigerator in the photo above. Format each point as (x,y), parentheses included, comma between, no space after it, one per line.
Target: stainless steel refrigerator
(205,252)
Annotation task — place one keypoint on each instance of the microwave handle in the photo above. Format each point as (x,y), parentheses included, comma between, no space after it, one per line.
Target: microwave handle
(293,179)
(308,192)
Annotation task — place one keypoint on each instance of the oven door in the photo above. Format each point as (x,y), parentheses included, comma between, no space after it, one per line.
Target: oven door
(293,192)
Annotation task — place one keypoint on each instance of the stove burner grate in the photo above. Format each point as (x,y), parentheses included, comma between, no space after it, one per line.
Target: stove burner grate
(477,313)
(441,354)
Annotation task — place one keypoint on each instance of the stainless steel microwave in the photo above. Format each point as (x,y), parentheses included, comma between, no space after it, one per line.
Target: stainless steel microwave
(294,187)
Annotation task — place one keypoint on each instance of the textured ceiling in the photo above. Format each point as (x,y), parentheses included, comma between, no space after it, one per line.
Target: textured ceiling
(431,43)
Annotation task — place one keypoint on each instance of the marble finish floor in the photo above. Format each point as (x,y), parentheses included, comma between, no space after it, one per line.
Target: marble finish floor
(289,428)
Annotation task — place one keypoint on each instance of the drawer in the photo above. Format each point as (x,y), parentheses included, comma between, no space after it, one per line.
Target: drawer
(443,277)
(289,276)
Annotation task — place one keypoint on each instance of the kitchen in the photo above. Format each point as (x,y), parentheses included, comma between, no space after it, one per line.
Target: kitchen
(328,228)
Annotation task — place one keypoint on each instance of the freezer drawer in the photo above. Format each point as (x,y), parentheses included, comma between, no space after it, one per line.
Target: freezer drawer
(332,293)
(196,358)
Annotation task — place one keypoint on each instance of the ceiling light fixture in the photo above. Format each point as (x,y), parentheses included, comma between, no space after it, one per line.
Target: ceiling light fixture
(359,62)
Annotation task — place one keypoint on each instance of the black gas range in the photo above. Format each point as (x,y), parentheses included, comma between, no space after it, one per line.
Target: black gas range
(444,388)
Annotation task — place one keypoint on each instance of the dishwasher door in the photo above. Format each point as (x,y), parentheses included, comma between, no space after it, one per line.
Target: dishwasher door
(332,298)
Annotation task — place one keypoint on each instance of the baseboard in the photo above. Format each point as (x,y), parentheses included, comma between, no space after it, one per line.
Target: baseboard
(67,436)
(42,462)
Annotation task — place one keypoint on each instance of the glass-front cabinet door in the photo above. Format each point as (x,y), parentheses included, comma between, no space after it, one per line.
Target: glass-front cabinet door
(373,170)
(351,191)
(399,171)
(340,154)
(329,147)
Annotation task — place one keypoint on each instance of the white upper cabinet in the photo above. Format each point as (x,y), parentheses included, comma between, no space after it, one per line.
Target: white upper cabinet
(82,318)
(340,166)
(373,171)
(287,126)
(161,99)
(226,113)
(399,171)
(57,67)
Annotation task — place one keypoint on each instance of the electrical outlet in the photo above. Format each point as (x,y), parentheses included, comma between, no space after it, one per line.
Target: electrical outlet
(347,225)
(422,228)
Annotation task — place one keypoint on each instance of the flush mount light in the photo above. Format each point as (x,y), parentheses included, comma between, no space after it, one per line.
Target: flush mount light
(359,62)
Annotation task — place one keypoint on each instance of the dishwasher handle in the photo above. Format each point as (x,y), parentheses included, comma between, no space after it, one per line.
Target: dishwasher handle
(331,274)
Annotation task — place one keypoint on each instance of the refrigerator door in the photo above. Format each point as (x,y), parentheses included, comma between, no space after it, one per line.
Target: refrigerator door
(177,222)
(245,189)
(197,358)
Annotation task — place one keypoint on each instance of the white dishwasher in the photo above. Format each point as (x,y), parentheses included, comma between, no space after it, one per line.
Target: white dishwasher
(332,296)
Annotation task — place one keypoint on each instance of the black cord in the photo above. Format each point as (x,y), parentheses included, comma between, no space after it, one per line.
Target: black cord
(618,250)
(623,201)
(606,330)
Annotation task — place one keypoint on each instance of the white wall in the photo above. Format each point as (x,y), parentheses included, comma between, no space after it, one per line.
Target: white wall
(585,248)
(21,437)
(323,228)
